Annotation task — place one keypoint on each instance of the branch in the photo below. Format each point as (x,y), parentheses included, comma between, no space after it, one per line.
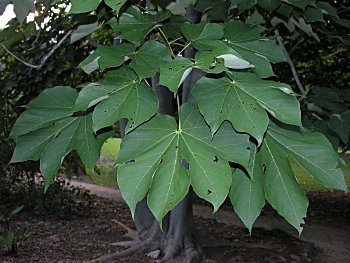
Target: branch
(45,58)
(40,20)
(291,64)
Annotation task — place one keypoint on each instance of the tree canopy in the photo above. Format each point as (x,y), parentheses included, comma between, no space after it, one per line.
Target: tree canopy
(236,141)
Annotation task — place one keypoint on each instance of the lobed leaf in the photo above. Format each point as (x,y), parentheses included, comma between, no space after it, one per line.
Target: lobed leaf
(120,95)
(173,73)
(245,39)
(134,25)
(199,34)
(106,57)
(115,4)
(153,154)
(48,131)
(313,152)
(282,190)
(83,6)
(146,61)
(244,101)
(83,31)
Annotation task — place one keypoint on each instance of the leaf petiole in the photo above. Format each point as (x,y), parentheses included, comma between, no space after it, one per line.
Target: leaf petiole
(178,111)
(166,40)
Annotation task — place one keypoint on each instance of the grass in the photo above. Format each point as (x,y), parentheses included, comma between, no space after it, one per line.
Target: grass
(111,148)
(309,183)
(106,173)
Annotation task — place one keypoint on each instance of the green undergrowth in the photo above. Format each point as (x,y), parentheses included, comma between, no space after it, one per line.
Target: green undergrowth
(105,174)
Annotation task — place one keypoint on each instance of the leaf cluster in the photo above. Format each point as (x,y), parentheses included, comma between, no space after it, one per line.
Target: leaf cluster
(242,119)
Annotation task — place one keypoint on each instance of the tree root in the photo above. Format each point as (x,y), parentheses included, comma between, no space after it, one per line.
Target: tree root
(132,234)
(174,243)
(141,247)
(162,243)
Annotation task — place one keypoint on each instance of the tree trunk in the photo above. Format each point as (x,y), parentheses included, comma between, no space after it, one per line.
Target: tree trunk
(177,240)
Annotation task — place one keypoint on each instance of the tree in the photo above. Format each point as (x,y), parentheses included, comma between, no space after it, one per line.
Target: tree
(224,128)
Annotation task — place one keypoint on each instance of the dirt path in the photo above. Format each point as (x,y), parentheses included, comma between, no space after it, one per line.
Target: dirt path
(331,240)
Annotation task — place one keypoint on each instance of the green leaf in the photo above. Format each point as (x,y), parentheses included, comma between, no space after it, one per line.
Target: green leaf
(120,95)
(3,5)
(134,26)
(153,157)
(8,239)
(172,29)
(83,31)
(238,31)
(48,131)
(302,25)
(178,7)
(208,62)
(281,188)
(285,10)
(269,5)
(289,25)
(245,40)
(218,57)
(106,57)
(22,8)
(327,9)
(340,124)
(83,6)
(329,99)
(247,197)
(16,210)
(115,4)
(265,47)
(39,113)
(235,62)
(199,34)
(146,61)
(244,101)
(312,151)
(302,4)
(313,14)
(247,194)
(113,23)
(173,73)
(242,5)
(255,19)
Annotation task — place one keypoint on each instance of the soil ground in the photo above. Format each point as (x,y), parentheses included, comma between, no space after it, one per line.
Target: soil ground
(326,236)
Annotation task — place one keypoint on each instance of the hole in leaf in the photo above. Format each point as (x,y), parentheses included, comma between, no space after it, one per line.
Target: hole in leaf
(209,192)
(130,161)
(264,168)
(161,161)
(216,159)
(57,135)
(185,164)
